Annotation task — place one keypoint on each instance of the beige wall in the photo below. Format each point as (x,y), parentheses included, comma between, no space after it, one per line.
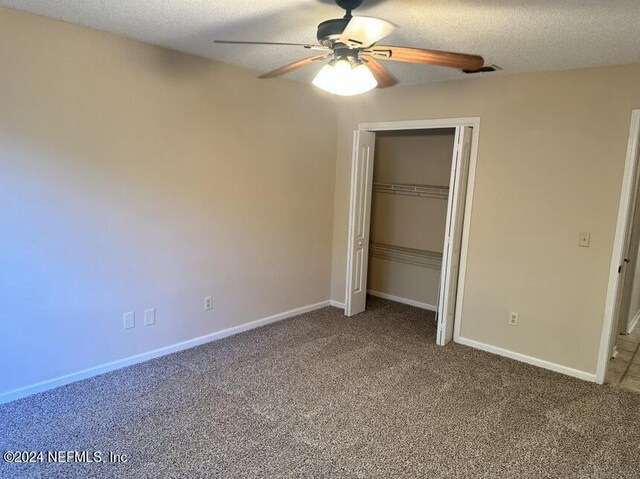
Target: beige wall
(133,177)
(407,281)
(421,157)
(414,156)
(550,160)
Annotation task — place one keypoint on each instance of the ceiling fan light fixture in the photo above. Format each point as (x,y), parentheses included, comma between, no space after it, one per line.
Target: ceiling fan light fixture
(345,78)
(353,43)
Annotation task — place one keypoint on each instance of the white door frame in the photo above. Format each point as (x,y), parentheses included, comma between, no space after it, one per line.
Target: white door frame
(429,124)
(623,226)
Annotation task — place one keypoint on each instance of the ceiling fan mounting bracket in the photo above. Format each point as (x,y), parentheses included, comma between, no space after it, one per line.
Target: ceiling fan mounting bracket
(383,54)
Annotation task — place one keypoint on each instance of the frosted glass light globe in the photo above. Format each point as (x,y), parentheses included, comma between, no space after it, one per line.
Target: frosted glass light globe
(342,78)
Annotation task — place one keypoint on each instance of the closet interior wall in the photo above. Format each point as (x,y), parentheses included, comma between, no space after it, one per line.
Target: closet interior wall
(411,177)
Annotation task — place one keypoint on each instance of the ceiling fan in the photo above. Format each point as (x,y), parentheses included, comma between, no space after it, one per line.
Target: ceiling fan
(351,44)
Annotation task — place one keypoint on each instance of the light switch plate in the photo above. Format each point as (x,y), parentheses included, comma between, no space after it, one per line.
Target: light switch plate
(150,317)
(129,320)
(584,240)
(208,303)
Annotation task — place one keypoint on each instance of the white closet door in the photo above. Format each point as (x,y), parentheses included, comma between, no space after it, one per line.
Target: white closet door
(453,234)
(359,223)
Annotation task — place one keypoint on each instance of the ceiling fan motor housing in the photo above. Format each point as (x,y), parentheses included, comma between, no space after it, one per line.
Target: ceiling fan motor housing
(349,54)
(329,31)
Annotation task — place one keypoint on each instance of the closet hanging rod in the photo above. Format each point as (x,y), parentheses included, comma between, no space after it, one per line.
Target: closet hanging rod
(403,254)
(408,189)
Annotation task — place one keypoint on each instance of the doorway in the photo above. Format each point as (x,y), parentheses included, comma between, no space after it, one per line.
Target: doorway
(459,196)
(618,362)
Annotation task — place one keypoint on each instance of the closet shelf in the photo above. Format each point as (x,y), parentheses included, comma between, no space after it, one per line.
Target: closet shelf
(402,254)
(426,191)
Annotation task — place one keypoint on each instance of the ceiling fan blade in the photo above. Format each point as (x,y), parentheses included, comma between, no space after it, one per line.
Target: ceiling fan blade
(365,31)
(304,45)
(422,55)
(292,66)
(384,78)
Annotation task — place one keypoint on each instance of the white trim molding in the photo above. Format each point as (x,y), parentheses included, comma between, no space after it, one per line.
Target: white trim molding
(398,299)
(622,227)
(156,353)
(541,363)
(419,124)
(336,304)
(634,322)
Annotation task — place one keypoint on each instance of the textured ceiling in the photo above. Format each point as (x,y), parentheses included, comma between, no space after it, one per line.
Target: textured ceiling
(517,35)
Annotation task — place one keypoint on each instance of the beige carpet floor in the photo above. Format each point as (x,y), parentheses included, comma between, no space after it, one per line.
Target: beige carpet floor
(322,395)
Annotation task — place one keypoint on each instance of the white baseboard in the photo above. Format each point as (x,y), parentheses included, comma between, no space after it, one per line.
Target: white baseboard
(398,299)
(541,363)
(336,304)
(633,323)
(139,358)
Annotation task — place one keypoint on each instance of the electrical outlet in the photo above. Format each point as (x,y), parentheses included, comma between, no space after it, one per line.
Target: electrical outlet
(584,240)
(150,317)
(513,318)
(129,320)
(208,303)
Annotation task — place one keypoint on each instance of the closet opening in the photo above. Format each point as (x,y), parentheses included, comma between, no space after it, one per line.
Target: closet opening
(411,173)
(410,204)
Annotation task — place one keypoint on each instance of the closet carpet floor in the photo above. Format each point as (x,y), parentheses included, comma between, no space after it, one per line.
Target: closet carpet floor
(322,395)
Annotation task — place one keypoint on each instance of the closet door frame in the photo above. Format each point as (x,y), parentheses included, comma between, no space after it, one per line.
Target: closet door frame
(426,124)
